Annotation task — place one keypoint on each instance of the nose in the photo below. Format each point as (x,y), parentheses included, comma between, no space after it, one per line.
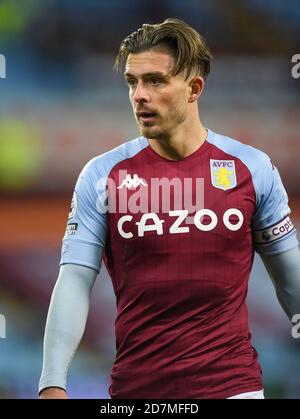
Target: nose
(140,93)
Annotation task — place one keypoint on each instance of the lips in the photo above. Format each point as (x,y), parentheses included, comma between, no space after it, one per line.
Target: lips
(145,114)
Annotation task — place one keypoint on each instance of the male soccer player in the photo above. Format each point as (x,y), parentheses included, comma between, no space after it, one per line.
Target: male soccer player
(177,214)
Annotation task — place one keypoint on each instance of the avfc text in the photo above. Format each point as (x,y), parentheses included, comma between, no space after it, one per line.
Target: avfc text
(296,67)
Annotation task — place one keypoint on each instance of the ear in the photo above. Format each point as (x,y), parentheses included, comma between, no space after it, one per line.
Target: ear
(196,86)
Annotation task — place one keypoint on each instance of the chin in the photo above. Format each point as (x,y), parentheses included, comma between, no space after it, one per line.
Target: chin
(150,132)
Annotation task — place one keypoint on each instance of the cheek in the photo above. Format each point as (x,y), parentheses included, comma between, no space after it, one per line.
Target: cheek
(169,103)
(173,102)
(180,98)
(178,104)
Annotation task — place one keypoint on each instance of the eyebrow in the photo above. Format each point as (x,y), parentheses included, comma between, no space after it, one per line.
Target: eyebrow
(150,74)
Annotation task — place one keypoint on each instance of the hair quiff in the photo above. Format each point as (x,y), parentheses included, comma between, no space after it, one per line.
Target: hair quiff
(186,45)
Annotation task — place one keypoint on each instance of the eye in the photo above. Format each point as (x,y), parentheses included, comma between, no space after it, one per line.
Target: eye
(131,82)
(155,81)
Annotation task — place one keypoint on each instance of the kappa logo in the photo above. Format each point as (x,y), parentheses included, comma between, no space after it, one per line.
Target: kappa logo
(132,182)
(223,175)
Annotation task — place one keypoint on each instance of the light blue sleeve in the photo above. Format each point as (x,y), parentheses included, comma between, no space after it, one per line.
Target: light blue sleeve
(274,231)
(67,315)
(284,270)
(86,230)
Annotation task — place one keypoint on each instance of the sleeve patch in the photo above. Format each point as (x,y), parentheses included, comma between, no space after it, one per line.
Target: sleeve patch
(73,207)
(71,229)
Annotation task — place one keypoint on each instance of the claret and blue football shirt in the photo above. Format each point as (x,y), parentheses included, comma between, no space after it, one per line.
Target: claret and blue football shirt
(178,239)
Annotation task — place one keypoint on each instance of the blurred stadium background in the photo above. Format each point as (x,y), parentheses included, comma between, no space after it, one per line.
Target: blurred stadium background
(61,104)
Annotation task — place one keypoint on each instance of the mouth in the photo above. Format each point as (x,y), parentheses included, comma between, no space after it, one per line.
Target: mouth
(146,116)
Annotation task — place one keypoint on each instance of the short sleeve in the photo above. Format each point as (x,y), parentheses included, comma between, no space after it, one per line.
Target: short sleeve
(86,231)
(273,228)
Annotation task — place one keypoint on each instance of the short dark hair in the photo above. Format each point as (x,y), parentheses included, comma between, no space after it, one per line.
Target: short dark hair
(186,45)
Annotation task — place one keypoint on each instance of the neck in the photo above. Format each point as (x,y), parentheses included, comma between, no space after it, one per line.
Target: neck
(187,138)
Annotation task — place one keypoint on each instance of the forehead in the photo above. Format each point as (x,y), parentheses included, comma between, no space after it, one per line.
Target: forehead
(151,61)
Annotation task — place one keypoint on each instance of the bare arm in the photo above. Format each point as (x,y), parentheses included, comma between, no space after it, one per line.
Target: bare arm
(65,326)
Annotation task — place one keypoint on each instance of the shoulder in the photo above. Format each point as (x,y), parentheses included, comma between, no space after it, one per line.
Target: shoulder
(102,165)
(254,159)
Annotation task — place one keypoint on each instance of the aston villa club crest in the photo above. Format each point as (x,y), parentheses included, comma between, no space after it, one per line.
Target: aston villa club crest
(223,175)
